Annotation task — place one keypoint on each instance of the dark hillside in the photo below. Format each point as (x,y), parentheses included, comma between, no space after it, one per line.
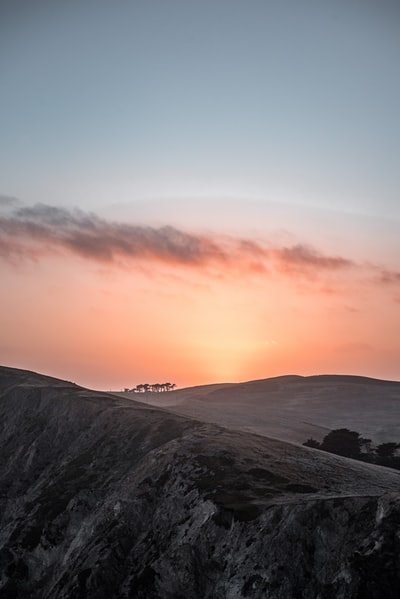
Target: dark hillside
(107,498)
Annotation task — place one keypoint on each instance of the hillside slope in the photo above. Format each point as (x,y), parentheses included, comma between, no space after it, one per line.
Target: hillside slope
(294,408)
(103,497)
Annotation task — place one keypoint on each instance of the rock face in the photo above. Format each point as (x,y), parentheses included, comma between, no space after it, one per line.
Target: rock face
(103,497)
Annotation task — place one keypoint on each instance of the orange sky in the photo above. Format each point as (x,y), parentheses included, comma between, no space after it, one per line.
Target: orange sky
(237,176)
(110,307)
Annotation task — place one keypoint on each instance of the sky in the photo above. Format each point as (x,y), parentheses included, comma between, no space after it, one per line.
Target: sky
(199,192)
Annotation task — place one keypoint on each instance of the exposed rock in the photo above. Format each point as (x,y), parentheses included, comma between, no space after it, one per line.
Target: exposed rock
(107,498)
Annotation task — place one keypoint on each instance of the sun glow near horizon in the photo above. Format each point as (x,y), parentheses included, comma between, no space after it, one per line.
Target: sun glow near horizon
(114,318)
(197,192)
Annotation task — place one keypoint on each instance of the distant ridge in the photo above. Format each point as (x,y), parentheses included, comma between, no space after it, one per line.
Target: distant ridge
(288,378)
(294,407)
(355,378)
(351,378)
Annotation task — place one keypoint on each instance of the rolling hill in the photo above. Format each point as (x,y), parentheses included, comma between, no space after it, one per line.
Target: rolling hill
(105,497)
(294,408)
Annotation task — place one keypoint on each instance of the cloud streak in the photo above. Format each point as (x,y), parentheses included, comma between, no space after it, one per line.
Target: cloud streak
(50,228)
(391,277)
(42,230)
(8,201)
(299,256)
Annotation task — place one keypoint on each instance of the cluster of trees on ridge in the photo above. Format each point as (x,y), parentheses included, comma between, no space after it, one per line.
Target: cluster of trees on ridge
(154,388)
(350,444)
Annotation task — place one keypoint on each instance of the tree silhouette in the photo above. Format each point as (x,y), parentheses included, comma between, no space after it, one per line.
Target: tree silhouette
(154,387)
(387,450)
(350,444)
(169,386)
(312,443)
(343,441)
(386,455)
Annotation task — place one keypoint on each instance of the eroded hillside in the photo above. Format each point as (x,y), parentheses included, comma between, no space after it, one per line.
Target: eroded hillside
(103,497)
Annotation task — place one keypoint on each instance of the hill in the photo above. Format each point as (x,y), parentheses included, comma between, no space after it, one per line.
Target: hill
(294,408)
(104,497)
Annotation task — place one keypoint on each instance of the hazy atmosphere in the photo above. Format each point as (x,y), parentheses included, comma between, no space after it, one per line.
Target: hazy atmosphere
(199,191)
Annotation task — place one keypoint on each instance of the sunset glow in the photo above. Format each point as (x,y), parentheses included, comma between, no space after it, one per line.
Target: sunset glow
(197,201)
(237,311)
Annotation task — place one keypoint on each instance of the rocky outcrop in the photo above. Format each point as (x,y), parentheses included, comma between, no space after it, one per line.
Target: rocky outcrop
(106,498)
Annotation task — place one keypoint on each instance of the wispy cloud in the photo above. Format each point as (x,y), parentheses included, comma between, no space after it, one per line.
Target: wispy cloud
(42,229)
(8,201)
(300,256)
(91,237)
(390,277)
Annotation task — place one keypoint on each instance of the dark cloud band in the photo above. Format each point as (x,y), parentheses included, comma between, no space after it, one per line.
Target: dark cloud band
(43,229)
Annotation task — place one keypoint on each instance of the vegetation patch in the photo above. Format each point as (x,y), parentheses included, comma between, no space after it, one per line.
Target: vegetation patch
(267,476)
(297,488)
(350,444)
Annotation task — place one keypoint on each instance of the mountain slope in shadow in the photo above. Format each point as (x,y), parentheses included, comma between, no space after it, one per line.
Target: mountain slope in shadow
(103,497)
